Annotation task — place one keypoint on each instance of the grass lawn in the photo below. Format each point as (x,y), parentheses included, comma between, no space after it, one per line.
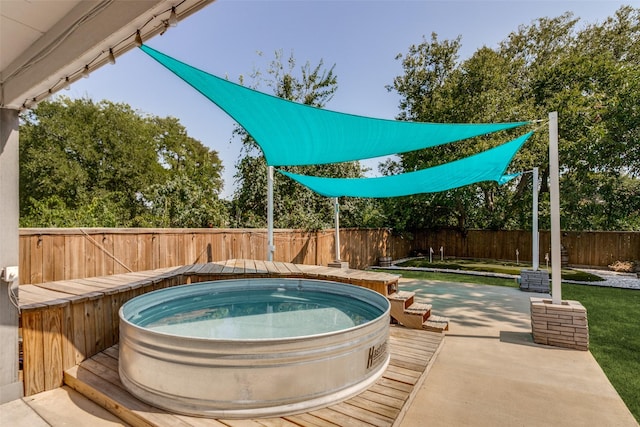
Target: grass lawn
(494,267)
(614,328)
(614,336)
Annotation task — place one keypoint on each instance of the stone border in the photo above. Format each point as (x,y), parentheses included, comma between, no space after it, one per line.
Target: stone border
(561,325)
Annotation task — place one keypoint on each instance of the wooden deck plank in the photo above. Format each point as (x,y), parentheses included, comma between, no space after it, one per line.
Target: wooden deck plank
(106,286)
(281,267)
(250,266)
(408,363)
(394,376)
(71,287)
(412,346)
(276,422)
(198,268)
(403,371)
(384,399)
(388,391)
(102,371)
(112,352)
(412,353)
(215,268)
(374,407)
(107,361)
(392,384)
(309,420)
(200,422)
(238,266)
(34,293)
(229,265)
(241,423)
(271,267)
(307,270)
(27,298)
(292,268)
(262,267)
(339,418)
(362,414)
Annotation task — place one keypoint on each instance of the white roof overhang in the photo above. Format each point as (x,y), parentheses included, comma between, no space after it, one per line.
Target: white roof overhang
(44,44)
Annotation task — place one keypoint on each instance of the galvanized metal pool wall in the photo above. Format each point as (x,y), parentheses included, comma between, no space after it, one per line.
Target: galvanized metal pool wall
(256,377)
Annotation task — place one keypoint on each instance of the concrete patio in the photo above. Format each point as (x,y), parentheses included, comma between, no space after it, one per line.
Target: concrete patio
(490,373)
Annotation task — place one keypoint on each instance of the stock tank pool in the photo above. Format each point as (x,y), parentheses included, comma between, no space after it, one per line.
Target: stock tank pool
(253,347)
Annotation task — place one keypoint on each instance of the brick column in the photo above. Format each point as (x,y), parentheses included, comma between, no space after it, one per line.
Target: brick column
(560,325)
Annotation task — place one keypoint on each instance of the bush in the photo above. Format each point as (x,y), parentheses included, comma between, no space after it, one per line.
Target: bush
(625,266)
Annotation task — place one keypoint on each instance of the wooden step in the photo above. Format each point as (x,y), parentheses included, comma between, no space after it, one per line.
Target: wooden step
(399,302)
(436,324)
(419,309)
(403,297)
(413,316)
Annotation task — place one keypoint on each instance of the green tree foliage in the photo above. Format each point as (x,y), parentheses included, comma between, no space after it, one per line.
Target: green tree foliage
(590,75)
(104,165)
(294,205)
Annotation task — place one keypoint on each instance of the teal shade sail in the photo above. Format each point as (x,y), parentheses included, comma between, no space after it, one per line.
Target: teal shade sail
(296,134)
(489,165)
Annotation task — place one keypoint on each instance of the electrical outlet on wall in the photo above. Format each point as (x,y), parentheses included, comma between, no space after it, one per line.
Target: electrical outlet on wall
(10,274)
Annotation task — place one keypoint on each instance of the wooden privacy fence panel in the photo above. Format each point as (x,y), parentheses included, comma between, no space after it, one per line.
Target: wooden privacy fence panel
(592,248)
(62,254)
(601,248)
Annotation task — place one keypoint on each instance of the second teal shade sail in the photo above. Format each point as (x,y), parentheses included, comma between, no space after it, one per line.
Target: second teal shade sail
(489,165)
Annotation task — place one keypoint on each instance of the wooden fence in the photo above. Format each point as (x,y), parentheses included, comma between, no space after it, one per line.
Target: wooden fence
(584,248)
(62,254)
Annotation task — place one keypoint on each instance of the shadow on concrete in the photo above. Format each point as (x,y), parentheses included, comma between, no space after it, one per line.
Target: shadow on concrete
(474,306)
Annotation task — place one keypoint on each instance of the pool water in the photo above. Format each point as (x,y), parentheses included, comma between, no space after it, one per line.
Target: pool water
(259,314)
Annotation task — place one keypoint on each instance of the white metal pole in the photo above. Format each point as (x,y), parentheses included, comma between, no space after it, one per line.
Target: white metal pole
(270,246)
(336,212)
(554,190)
(535,235)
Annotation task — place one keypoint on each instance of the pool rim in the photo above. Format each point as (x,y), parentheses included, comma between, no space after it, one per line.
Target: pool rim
(356,288)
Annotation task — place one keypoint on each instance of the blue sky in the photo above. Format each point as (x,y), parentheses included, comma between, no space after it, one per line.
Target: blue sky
(361,37)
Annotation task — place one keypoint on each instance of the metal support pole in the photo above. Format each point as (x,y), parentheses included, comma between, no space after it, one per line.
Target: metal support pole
(336,212)
(535,234)
(270,246)
(554,190)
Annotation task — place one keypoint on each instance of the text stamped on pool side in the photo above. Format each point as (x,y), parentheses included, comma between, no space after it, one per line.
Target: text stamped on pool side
(377,353)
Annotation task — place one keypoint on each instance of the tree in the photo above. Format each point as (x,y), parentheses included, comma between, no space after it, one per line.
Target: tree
(294,205)
(91,164)
(189,195)
(591,80)
(435,88)
(589,76)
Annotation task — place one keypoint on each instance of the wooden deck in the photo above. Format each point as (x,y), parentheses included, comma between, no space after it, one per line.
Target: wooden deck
(65,322)
(383,404)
